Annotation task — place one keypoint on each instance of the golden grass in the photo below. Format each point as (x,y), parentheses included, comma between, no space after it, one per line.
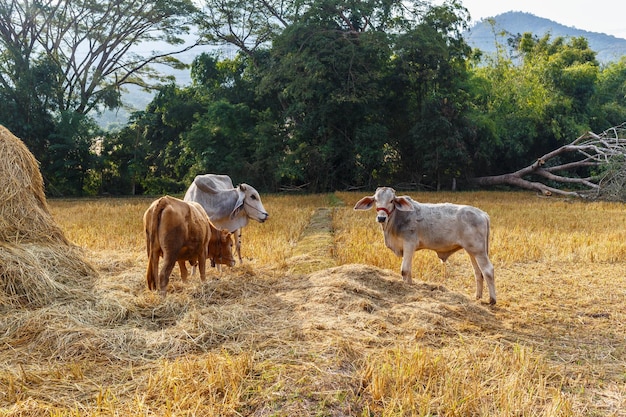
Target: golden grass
(317,321)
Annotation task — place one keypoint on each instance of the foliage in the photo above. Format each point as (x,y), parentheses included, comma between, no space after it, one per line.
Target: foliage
(61,58)
(70,157)
(537,101)
(429,79)
(318,94)
(608,104)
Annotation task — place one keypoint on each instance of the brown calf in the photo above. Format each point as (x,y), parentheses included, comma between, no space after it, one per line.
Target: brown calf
(178,231)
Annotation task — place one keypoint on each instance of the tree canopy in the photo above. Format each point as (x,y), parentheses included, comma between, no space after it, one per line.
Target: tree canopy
(66,59)
(318,95)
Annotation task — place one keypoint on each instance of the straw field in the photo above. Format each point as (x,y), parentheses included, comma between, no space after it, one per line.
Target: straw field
(317,321)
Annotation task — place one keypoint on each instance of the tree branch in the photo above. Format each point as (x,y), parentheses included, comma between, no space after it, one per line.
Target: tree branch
(591,149)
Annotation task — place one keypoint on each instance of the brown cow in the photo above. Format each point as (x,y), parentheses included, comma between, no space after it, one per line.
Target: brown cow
(220,247)
(220,250)
(179,231)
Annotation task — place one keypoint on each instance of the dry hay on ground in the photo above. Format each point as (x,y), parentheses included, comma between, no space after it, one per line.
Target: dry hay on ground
(306,337)
(370,305)
(38,266)
(75,336)
(285,319)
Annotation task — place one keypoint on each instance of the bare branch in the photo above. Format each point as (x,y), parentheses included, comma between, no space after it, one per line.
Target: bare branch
(592,150)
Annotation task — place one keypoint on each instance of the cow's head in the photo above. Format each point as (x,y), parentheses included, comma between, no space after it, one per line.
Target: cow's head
(221,248)
(249,201)
(386,202)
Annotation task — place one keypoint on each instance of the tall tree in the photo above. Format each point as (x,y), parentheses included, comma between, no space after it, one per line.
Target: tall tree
(536,102)
(326,70)
(93,45)
(429,98)
(59,57)
(609,100)
(248,25)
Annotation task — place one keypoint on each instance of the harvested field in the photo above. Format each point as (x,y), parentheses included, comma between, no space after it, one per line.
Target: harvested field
(317,321)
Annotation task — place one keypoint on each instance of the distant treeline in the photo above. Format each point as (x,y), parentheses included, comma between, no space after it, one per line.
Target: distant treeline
(334,96)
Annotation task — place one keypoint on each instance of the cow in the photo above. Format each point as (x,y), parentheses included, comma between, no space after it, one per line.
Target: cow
(227,206)
(220,247)
(409,226)
(178,231)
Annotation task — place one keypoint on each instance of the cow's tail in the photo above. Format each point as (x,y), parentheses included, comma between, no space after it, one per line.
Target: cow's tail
(154,251)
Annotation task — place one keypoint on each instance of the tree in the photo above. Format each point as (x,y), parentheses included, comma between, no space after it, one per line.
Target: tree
(530,104)
(429,100)
(70,154)
(60,57)
(246,24)
(608,104)
(326,71)
(124,156)
(92,45)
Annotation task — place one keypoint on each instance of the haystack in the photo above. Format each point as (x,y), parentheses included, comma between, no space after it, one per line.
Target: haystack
(37,263)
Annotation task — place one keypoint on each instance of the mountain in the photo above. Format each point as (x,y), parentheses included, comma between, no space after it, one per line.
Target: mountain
(608,48)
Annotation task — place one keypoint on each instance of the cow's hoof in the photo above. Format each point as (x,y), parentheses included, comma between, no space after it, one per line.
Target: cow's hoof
(492,301)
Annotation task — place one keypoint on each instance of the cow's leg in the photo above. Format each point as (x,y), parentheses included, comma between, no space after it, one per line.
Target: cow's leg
(150,277)
(183,270)
(483,269)
(202,267)
(488,273)
(478,275)
(164,274)
(238,244)
(407,262)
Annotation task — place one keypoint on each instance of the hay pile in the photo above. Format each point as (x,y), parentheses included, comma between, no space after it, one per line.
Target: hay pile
(369,305)
(37,263)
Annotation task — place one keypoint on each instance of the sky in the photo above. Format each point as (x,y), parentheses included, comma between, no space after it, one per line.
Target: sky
(603,16)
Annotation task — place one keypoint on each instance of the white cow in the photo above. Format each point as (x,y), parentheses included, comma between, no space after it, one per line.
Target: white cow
(228,207)
(409,226)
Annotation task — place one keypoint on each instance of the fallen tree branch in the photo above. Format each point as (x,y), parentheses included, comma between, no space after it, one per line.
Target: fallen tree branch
(593,150)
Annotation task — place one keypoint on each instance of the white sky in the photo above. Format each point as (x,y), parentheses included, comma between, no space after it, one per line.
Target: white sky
(603,16)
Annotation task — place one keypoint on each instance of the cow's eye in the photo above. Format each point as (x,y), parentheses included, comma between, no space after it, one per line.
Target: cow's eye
(253,197)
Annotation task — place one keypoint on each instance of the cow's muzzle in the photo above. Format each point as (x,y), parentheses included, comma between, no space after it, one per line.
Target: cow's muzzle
(382,217)
(261,215)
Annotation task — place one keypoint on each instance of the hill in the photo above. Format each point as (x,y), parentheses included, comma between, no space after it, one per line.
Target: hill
(482,35)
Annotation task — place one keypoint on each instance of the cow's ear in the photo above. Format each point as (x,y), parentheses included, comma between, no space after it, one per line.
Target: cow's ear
(404,203)
(365,203)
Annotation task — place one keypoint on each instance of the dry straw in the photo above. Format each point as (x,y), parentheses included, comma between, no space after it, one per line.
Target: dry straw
(38,265)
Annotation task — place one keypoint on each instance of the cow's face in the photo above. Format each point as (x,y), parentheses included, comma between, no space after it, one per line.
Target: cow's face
(384,198)
(221,248)
(252,204)
(386,202)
